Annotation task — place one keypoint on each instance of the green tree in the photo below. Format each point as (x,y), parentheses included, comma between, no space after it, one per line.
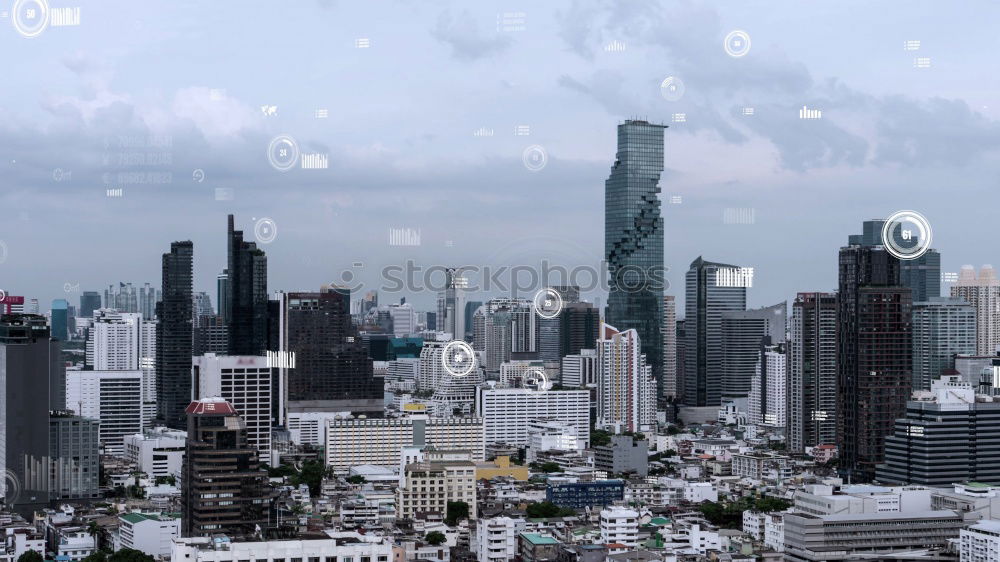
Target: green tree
(456,511)
(433,538)
(130,555)
(356,479)
(599,437)
(281,471)
(546,467)
(548,509)
(672,430)
(768,504)
(97,556)
(30,556)
(311,475)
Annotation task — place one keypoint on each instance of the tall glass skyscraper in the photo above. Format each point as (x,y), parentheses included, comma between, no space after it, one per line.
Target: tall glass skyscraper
(633,239)
(707,298)
(173,337)
(246,294)
(874,351)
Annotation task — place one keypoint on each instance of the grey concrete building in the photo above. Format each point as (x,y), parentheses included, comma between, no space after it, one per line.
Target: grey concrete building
(889,535)
(73,446)
(623,454)
(942,329)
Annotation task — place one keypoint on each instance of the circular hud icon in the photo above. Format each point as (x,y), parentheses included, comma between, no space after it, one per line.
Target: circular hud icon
(458,358)
(737,43)
(672,88)
(265,230)
(906,235)
(537,380)
(30,17)
(283,153)
(548,303)
(535,158)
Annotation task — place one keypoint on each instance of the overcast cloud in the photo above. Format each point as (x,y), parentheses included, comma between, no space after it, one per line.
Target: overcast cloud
(193,77)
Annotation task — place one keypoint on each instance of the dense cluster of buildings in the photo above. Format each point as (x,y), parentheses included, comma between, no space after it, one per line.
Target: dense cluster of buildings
(324,426)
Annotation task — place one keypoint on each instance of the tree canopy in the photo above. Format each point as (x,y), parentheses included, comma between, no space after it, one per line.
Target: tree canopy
(548,509)
(435,538)
(30,556)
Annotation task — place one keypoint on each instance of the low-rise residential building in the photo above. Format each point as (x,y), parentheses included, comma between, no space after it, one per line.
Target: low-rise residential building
(619,525)
(623,455)
(774,531)
(980,542)
(497,538)
(159,452)
(501,467)
(535,547)
(762,466)
(152,534)
(428,486)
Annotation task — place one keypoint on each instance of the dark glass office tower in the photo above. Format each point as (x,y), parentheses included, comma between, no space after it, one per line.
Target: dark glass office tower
(923,276)
(33,382)
(224,488)
(742,332)
(60,319)
(246,297)
(874,351)
(705,303)
(633,238)
(579,326)
(89,302)
(812,372)
(332,369)
(173,337)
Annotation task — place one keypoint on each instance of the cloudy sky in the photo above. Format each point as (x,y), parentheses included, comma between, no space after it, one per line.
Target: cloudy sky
(188,80)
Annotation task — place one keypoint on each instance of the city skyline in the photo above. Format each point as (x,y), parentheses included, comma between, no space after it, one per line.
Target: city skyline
(891,137)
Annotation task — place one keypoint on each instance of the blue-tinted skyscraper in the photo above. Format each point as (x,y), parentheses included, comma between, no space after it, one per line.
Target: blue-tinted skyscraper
(60,319)
(633,238)
(707,298)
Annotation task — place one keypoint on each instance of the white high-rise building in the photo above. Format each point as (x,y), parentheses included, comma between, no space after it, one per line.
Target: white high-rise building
(626,392)
(768,399)
(404,320)
(450,391)
(245,382)
(983,293)
(380,441)
(504,325)
(309,428)
(620,525)
(114,398)
(402,374)
(451,305)
(581,370)
(507,412)
(496,538)
(523,328)
(125,341)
